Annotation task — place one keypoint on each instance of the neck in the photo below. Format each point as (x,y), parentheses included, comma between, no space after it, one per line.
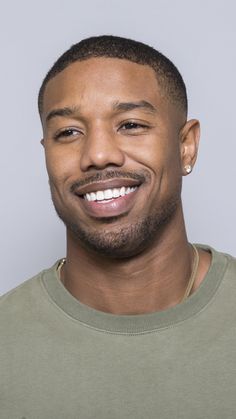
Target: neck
(152,281)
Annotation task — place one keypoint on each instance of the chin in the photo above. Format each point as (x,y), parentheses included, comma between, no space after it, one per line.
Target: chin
(121,241)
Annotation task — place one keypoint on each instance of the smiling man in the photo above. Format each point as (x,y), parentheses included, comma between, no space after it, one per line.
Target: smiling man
(135,322)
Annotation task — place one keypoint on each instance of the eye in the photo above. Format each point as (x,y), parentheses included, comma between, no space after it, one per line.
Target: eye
(67,133)
(133,126)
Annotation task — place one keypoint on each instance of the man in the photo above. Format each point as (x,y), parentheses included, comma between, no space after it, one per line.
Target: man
(135,322)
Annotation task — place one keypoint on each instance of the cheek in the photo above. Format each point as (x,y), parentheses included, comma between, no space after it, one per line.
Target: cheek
(157,154)
(61,164)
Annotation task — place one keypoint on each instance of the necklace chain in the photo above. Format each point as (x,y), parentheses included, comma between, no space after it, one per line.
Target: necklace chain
(190,282)
(193,274)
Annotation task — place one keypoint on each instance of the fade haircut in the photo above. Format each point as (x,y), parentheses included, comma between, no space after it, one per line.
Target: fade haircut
(168,76)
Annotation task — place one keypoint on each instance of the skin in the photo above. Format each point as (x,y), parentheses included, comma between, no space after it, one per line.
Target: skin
(126,272)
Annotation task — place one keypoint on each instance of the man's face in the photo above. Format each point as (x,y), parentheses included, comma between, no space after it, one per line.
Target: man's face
(113,157)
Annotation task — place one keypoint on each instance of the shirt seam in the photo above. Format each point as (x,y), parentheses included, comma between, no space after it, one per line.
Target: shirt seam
(156,330)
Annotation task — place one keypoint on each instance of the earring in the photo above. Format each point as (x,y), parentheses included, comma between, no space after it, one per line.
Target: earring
(188,168)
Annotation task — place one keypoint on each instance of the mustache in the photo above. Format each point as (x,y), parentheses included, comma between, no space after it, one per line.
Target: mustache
(142,176)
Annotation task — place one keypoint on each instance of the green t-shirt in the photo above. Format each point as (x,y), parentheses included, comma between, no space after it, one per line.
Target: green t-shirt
(60,359)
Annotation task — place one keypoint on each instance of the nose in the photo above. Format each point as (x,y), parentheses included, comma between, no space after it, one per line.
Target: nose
(101,148)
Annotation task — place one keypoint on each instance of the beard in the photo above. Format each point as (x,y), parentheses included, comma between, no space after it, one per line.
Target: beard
(125,240)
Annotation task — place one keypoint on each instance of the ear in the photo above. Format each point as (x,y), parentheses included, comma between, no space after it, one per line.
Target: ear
(189,142)
(42,142)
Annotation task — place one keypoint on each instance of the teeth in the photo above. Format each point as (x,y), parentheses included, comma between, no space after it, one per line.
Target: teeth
(93,196)
(122,191)
(109,193)
(116,193)
(100,195)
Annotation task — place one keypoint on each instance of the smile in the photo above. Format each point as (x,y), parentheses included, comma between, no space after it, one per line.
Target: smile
(109,194)
(109,198)
(112,202)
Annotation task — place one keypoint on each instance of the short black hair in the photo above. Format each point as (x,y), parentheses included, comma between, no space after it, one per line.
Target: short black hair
(110,46)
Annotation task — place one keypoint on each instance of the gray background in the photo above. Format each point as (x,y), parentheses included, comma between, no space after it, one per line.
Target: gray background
(198,36)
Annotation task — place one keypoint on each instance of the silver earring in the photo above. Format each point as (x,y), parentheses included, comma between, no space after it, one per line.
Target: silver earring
(188,168)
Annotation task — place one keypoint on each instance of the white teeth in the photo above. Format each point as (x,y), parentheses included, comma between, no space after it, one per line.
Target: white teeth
(116,193)
(93,196)
(100,195)
(109,193)
(122,191)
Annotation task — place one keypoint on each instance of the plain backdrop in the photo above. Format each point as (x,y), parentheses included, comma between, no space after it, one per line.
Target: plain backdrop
(199,36)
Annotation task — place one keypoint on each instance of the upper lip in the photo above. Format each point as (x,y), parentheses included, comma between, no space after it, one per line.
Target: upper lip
(109,184)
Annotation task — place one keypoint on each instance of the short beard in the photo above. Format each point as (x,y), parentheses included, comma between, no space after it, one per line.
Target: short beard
(125,241)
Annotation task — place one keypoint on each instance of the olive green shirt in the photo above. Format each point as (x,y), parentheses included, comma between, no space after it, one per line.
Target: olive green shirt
(60,359)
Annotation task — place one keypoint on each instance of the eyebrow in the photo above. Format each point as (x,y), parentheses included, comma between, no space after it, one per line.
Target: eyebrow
(117,107)
(63,112)
(129,106)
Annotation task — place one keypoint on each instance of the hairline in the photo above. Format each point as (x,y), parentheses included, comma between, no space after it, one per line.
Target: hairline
(50,77)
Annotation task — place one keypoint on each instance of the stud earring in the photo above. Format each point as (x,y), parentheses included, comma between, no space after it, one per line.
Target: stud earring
(188,169)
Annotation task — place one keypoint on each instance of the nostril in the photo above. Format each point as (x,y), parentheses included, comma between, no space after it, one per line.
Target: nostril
(101,155)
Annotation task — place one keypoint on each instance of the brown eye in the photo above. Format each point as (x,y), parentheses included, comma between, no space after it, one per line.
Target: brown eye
(67,133)
(132,125)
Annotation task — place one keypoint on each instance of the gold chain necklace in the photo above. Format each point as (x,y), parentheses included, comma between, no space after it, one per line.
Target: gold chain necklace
(59,267)
(190,282)
(193,274)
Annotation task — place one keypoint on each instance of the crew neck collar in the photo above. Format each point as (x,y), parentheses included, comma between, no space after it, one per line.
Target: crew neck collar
(139,323)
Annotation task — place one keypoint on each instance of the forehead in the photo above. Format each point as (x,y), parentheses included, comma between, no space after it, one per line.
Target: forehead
(101,79)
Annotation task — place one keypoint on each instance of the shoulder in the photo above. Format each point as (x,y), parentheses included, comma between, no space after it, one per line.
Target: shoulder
(231,268)
(221,276)
(220,258)
(23,297)
(20,296)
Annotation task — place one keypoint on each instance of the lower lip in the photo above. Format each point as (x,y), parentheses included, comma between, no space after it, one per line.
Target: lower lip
(110,208)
